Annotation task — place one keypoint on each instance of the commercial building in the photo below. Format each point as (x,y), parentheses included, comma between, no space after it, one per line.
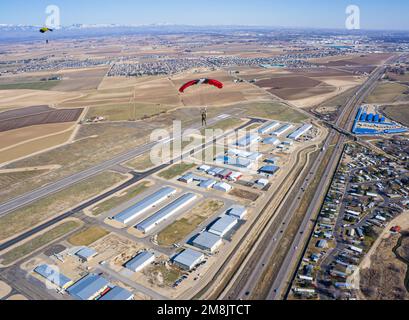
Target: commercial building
(268,127)
(236,211)
(280,131)
(117,294)
(268,170)
(272,141)
(236,162)
(89,287)
(52,275)
(207,184)
(140,261)
(222,186)
(86,254)
(207,241)
(300,132)
(188,259)
(143,206)
(166,212)
(235,176)
(223,225)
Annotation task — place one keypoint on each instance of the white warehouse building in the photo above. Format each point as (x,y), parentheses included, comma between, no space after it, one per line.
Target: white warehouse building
(207,241)
(300,132)
(166,212)
(188,259)
(280,131)
(144,205)
(268,127)
(223,225)
(236,211)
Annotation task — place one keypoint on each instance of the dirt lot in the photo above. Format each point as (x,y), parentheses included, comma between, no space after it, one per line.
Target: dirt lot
(88,236)
(80,79)
(399,113)
(244,194)
(181,228)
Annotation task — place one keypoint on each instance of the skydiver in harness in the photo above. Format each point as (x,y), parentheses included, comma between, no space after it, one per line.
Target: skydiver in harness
(204,117)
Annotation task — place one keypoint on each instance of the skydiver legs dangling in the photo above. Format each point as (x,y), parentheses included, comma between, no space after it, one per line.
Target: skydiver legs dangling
(204,117)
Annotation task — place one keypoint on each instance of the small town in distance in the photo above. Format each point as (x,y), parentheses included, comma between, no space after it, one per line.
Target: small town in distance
(169,162)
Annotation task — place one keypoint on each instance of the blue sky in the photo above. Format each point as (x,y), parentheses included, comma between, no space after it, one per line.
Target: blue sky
(375,14)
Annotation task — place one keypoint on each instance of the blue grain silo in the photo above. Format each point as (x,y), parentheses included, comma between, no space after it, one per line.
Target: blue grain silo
(376,118)
(369,118)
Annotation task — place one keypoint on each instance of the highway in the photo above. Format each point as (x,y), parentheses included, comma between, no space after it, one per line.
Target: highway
(245,283)
(281,283)
(136,178)
(66,182)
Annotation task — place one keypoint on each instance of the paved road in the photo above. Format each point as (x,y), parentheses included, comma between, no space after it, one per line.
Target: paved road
(66,182)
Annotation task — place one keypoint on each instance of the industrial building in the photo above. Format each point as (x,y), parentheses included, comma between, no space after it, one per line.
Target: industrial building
(140,261)
(280,131)
(268,127)
(207,184)
(248,140)
(223,225)
(188,259)
(143,206)
(235,162)
(166,212)
(89,288)
(236,211)
(86,254)
(117,294)
(207,241)
(300,132)
(222,186)
(268,170)
(272,141)
(52,275)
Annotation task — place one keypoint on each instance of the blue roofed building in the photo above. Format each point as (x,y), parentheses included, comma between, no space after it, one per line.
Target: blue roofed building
(117,293)
(89,287)
(53,275)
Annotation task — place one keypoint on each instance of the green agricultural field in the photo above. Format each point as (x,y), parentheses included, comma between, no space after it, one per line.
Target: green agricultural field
(387,92)
(275,111)
(88,236)
(116,201)
(180,229)
(41,210)
(39,241)
(40,85)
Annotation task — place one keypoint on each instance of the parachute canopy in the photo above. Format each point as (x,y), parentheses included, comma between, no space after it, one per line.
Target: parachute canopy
(45,29)
(211,82)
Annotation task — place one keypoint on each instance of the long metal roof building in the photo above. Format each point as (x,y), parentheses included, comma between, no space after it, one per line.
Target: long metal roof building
(166,212)
(52,275)
(144,205)
(280,131)
(223,225)
(268,127)
(89,287)
(140,261)
(300,132)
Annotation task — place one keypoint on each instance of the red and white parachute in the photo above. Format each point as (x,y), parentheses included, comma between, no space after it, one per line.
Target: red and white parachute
(211,82)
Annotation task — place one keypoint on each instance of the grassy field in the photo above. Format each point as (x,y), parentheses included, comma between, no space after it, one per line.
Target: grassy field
(274,111)
(176,170)
(180,229)
(169,274)
(40,85)
(141,163)
(115,201)
(224,125)
(10,178)
(398,113)
(127,112)
(387,92)
(41,210)
(88,236)
(39,241)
